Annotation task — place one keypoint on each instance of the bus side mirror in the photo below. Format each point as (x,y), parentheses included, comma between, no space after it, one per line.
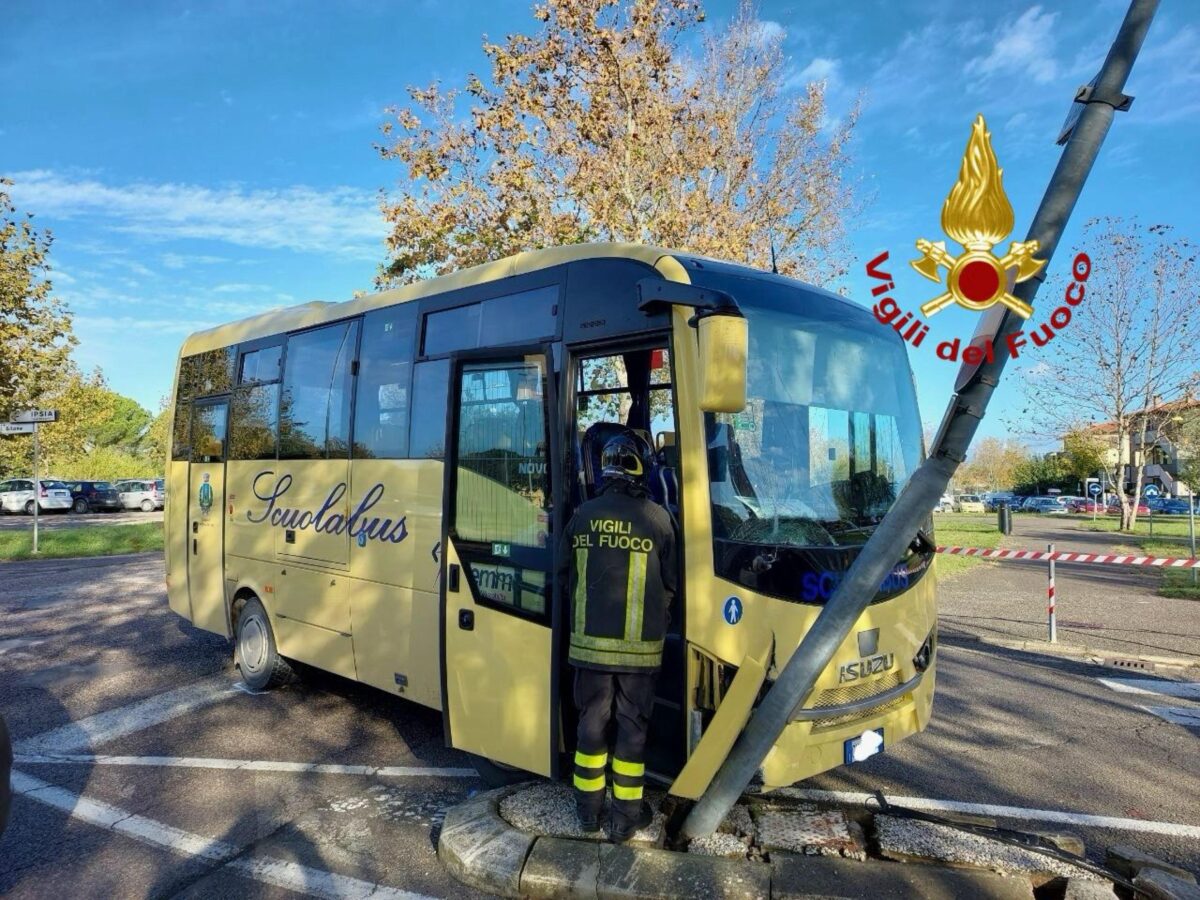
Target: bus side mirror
(724,342)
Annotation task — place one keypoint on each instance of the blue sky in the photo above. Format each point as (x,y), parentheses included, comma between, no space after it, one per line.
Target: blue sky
(198,162)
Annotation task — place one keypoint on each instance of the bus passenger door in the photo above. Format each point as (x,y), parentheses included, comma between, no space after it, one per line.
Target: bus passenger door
(498,561)
(206,516)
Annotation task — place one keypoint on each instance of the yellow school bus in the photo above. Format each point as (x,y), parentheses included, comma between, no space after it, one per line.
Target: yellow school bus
(376,488)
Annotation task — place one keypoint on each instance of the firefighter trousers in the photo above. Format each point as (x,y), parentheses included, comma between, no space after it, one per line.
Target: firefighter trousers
(596,695)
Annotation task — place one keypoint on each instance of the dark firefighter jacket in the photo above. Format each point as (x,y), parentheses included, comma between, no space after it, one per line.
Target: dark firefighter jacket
(618,560)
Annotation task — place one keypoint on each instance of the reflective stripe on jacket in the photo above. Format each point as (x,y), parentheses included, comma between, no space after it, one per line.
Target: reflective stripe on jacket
(619,551)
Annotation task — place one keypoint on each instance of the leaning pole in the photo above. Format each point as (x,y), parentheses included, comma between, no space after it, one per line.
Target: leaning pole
(966,409)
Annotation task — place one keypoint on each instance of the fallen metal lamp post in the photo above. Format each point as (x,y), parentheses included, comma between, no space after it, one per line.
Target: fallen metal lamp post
(1083,136)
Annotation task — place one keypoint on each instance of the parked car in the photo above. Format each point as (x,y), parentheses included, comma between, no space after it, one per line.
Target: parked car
(968,503)
(17,495)
(946,504)
(1082,505)
(1172,506)
(993,499)
(1048,505)
(89,496)
(146,494)
(1114,508)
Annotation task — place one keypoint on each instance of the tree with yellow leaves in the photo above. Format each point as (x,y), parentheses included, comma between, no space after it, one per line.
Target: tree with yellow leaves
(600,127)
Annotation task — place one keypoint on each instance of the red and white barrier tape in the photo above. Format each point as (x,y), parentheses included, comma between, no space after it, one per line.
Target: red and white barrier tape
(1166,562)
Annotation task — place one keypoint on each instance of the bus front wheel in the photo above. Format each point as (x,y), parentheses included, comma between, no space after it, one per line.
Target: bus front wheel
(255,653)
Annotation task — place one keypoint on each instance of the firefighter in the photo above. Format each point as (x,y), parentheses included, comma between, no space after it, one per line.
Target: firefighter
(619,555)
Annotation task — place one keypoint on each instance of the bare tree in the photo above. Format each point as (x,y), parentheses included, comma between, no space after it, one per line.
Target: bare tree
(1128,352)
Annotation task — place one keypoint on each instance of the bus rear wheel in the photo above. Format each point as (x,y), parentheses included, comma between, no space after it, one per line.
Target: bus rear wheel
(255,653)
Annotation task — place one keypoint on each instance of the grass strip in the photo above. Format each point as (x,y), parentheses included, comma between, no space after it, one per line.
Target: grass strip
(963,530)
(96,540)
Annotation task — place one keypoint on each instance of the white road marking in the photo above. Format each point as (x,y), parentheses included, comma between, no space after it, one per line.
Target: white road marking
(280,873)
(1186,690)
(246,765)
(1019,813)
(1188,716)
(126,720)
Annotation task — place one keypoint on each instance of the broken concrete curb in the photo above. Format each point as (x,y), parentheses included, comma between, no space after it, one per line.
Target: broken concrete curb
(480,849)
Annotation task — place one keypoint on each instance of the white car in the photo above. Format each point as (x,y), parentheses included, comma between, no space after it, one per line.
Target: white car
(146,494)
(17,495)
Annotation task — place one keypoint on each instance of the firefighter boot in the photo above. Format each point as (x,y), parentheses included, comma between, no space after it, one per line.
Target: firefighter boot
(624,826)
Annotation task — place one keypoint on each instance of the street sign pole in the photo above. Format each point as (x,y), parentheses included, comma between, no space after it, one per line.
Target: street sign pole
(37,488)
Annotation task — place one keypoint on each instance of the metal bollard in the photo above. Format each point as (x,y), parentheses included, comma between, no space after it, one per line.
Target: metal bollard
(1051,623)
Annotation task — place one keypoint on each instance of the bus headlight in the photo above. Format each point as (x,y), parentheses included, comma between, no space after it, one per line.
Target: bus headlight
(925,655)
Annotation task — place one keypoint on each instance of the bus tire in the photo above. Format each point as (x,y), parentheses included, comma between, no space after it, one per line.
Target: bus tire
(255,653)
(496,774)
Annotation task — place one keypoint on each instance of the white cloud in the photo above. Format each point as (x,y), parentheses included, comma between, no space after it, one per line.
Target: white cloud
(768,31)
(1026,46)
(820,69)
(342,221)
(186,261)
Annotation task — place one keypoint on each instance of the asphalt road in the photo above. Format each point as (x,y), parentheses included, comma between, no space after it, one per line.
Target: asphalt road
(146,773)
(53,520)
(1112,609)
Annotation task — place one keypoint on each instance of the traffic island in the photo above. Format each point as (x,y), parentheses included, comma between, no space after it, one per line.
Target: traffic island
(524,841)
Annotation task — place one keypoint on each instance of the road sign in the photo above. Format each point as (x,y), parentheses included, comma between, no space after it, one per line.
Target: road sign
(1150,491)
(34,416)
(1094,489)
(8,428)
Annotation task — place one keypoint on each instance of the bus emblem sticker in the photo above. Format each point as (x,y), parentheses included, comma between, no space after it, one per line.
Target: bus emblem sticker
(205,495)
(733,610)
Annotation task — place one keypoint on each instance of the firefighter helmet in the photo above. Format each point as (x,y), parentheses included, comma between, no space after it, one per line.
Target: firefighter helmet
(622,458)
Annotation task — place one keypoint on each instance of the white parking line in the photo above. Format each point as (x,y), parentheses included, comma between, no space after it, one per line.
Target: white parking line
(1019,813)
(1185,690)
(1188,716)
(126,720)
(280,873)
(246,765)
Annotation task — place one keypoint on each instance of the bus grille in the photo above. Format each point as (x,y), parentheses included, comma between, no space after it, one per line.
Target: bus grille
(836,697)
(861,691)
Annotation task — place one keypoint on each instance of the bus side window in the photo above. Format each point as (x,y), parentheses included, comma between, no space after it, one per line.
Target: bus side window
(314,421)
(384,376)
(427,438)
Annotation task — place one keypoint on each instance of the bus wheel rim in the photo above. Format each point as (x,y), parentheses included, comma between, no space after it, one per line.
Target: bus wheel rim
(254,644)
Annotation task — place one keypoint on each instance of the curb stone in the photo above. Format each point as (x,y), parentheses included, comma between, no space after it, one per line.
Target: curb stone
(480,849)
(1130,862)
(1158,885)
(1097,655)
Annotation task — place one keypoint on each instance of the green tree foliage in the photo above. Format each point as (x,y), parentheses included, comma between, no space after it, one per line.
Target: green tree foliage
(1038,474)
(100,434)
(35,326)
(1083,455)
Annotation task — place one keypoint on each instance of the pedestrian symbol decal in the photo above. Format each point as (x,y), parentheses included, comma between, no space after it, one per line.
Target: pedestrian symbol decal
(733,610)
(206,495)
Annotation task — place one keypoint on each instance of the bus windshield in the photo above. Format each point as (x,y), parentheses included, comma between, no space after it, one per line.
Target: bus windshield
(829,436)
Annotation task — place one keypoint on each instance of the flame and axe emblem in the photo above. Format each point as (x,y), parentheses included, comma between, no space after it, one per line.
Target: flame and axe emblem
(978,215)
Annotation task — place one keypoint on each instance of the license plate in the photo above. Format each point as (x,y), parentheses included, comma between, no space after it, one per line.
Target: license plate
(861,748)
